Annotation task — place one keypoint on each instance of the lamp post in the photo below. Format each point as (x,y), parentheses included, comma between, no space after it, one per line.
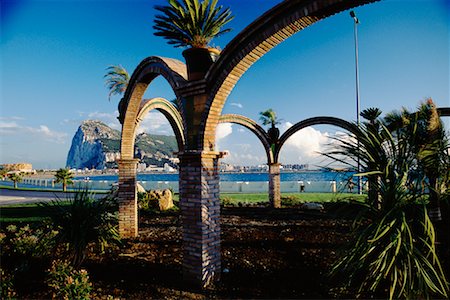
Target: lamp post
(356,22)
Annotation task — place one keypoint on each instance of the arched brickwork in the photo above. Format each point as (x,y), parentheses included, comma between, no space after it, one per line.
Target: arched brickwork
(310,122)
(269,30)
(169,111)
(444,111)
(172,70)
(253,127)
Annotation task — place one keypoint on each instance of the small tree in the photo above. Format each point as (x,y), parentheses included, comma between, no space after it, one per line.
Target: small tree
(191,23)
(117,79)
(65,177)
(15,177)
(269,117)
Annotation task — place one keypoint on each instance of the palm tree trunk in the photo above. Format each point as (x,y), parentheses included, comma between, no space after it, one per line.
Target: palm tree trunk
(435,209)
(64,186)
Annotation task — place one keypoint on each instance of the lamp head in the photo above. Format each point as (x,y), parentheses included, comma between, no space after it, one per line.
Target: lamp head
(353,15)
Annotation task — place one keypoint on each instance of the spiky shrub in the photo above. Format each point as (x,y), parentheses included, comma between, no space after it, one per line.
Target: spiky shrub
(190,23)
(393,245)
(82,221)
(66,282)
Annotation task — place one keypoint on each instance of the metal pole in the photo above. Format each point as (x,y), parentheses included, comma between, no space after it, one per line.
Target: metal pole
(356,22)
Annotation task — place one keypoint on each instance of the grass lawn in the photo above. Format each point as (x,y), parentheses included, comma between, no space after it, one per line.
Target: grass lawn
(69,190)
(23,213)
(291,198)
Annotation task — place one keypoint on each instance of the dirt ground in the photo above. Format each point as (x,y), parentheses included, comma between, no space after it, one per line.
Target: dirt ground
(283,253)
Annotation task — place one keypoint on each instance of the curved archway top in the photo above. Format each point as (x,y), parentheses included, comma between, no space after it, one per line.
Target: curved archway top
(444,111)
(169,111)
(273,27)
(172,70)
(254,127)
(269,30)
(310,122)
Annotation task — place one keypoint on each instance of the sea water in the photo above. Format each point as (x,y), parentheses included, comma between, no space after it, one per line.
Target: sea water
(290,182)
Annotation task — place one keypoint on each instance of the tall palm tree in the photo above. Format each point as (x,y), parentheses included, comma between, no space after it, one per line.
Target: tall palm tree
(15,177)
(117,79)
(269,117)
(65,177)
(190,23)
(372,115)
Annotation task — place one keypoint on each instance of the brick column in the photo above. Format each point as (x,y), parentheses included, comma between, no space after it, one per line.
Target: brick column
(274,185)
(128,218)
(200,209)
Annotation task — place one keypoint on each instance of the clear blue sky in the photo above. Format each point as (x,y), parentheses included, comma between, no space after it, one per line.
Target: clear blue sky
(54,55)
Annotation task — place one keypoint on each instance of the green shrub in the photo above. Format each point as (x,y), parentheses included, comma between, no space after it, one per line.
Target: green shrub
(6,285)
(290,200)
(84,220)
(21,245)
(226,201)
(68,283)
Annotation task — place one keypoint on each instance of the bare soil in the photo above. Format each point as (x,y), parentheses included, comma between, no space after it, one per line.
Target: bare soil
(266,253)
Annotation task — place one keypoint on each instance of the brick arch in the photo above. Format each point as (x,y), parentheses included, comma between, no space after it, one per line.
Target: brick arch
(169,111)
(172,70)
(269,30)
(310,122)
(251,125)
(444,111)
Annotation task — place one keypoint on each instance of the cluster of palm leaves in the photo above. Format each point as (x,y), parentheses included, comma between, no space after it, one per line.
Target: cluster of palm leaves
(191,23)
(15,178)
(64,176)
(393,250)
(81,221)
(117,79)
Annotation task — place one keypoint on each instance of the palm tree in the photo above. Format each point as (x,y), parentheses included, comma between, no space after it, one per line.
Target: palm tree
(117,79)
(425,132)
(373,125)
(15,177)
(191,23)
(65,177)
(269,117)
(392,249)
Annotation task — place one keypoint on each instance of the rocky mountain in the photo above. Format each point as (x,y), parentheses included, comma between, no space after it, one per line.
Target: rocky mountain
(97,146)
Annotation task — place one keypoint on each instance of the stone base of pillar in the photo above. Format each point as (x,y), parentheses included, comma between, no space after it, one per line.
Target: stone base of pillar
(128,217)
(200,209)
(274,185)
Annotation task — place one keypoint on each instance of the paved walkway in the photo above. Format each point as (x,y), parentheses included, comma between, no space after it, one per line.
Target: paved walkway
(8,197)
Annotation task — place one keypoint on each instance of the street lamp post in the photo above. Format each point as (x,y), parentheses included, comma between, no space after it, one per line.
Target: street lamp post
(356,22)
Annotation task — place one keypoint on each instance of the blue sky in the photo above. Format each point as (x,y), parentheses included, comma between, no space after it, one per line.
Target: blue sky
(54,55)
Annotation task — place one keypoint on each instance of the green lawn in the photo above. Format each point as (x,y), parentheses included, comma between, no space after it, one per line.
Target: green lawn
(33,213)
(291,198)
(23,213)
(69,191)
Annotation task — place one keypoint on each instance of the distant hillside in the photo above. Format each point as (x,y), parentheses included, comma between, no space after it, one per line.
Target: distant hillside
(97,146)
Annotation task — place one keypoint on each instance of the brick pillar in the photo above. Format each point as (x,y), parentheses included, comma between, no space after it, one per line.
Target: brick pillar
(200,210)
(274,185)
(128,218)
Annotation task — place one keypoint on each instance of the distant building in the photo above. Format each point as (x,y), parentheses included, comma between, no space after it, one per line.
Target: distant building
(19,167)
